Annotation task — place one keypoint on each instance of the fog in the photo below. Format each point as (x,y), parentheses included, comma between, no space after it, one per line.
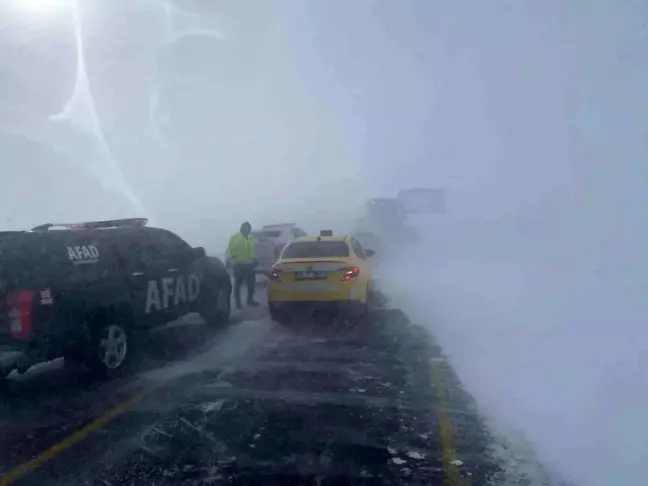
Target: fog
(531,115)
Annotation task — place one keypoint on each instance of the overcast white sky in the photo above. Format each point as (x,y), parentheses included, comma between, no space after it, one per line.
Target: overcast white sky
(510,102)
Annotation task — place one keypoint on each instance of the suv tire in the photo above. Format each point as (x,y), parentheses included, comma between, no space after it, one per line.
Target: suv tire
(216,301)
(112,347)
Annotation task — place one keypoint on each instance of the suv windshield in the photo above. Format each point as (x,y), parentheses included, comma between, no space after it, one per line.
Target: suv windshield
(317,249)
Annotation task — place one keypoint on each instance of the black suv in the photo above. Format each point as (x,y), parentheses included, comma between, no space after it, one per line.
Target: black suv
(87,291)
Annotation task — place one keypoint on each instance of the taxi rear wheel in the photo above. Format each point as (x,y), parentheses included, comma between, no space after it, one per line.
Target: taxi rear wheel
(359,313)
(360,310)
(281,316)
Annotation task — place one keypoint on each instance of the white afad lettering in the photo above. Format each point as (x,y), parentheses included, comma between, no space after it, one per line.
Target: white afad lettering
(83,254)
(180,293)
(174,292)
(94,251)
(194,286)
(152,297)
(167,291)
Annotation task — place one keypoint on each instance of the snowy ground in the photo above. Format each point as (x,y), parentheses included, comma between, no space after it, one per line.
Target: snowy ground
(259,403)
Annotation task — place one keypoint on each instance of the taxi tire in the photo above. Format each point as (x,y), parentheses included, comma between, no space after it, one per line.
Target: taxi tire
(363,309)
(359,315)
(280,317)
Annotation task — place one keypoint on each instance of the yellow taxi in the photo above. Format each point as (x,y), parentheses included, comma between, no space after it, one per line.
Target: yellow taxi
(323,271)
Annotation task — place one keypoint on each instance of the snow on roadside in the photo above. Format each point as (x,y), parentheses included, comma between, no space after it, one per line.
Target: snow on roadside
(553,352)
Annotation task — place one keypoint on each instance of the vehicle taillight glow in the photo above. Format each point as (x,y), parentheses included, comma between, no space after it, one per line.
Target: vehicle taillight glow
(274,275)
(20,306)
(351,273)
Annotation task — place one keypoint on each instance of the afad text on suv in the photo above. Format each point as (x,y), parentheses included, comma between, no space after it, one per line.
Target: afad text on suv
(87,292)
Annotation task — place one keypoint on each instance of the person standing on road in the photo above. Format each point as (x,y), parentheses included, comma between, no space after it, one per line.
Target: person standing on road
(241,254)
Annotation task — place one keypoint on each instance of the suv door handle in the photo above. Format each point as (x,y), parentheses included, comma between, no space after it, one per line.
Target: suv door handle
(174,269)
(137,274)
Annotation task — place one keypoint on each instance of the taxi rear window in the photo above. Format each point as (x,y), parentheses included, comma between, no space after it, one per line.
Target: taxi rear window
(317,249)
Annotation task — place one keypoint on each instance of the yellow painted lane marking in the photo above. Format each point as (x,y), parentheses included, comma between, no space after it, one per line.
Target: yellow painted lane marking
(71,440)
(451,473)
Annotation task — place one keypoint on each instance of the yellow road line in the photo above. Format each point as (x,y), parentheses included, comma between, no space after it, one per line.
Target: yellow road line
(451,474)
(76,437)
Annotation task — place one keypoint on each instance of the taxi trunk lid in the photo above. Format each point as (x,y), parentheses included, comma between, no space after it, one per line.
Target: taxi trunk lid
(295,270)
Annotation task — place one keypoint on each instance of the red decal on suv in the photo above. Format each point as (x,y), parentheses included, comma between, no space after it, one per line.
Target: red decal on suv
(20,305)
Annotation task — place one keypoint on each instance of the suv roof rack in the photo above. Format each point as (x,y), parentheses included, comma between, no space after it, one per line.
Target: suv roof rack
(110,223)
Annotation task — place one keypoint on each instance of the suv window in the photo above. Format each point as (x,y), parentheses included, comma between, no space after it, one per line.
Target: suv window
(140,253)
(297,232)
(317,249)
(170,243)
(357,248)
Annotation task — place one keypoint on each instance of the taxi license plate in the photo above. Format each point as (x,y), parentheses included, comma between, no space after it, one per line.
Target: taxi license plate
(310,275)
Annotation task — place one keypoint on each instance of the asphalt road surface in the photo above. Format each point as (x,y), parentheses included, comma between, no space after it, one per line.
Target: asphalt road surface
(254,403)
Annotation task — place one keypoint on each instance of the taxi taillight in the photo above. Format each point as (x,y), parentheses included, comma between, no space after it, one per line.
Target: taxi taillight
(350,273)
(274,275)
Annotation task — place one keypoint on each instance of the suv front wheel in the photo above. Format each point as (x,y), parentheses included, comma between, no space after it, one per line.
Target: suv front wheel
(216,301)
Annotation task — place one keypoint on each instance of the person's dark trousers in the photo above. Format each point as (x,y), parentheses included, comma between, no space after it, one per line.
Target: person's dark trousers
(244,273)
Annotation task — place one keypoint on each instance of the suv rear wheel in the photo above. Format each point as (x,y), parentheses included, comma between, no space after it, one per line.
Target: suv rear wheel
(112,348)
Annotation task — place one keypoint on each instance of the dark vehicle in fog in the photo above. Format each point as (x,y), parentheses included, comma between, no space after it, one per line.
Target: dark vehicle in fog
(88,291)
(270,242)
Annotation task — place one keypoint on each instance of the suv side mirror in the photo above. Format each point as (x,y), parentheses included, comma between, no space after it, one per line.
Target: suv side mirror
(369,253)
(199,252)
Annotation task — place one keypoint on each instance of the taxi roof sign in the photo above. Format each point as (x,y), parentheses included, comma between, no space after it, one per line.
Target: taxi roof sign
(326,233)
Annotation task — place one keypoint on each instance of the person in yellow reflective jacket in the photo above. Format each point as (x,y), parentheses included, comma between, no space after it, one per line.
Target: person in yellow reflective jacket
(241,255)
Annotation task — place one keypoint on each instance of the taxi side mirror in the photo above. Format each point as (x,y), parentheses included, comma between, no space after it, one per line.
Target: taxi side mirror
(369,253)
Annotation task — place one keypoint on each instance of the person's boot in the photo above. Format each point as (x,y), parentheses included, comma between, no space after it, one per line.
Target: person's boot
(239,305)
(252,303)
